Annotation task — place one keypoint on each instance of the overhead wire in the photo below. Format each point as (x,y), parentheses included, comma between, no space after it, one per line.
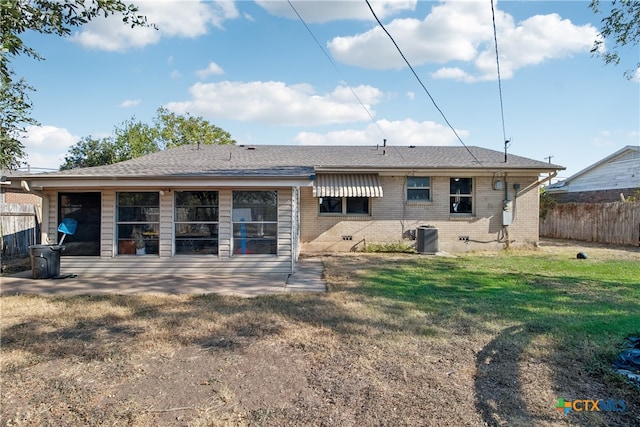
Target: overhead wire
(495,39)
(336,68)
(421,83)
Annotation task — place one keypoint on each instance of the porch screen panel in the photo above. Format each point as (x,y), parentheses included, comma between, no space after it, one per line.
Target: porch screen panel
(137,222)
(196,222)
(85,209)
(255,222)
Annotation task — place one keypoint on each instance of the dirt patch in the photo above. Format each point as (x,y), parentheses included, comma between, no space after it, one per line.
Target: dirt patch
(571,248)
(10,265)
(339,358)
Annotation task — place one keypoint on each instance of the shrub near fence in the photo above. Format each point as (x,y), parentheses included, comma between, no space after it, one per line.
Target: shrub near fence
(616,223)
(18,227)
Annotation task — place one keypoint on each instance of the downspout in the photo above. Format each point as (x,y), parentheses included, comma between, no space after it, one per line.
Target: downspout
(505,227)
(39,211)
(540,182)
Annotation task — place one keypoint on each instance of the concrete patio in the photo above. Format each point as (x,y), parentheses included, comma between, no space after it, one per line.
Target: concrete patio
(308,277)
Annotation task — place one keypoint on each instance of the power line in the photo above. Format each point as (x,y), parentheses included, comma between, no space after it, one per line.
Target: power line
(495,39)
(336,68)
(421,84)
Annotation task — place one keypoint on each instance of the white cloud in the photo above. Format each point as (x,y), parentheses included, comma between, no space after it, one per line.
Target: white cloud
(129,103)
(462,31)
(615,138)
(398,133)
(313,11)
(277,103)
(187,19)
(46,146)
(212,68)
(454,73)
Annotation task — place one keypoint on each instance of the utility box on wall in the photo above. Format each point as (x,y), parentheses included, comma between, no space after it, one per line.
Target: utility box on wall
(507,212)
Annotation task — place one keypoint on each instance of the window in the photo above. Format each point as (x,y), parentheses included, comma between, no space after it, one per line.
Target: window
(255,222)
(461,195)
(137,223)
(196,222)
(344,205)
(84,208)
(419,189)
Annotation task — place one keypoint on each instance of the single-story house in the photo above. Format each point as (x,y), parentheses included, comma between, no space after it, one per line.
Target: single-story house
(604,181)
(239,209)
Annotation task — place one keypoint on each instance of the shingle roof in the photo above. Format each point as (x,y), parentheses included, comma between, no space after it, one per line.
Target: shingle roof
(300,160)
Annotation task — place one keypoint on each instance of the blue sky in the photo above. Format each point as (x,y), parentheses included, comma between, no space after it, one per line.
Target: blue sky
(253,69)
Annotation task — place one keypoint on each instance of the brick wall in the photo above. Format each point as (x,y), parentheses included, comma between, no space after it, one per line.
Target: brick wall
(13,196)
(392,218)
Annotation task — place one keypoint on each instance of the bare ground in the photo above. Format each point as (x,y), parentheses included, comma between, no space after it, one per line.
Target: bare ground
(338,359)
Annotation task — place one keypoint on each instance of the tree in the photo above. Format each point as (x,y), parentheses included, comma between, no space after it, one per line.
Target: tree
(134,139)
(622,24)
(546,202)
(90,152)
(45,17)
(174,130)
(14,117)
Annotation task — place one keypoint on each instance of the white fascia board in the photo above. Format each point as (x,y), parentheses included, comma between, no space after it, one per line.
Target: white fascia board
(159,183)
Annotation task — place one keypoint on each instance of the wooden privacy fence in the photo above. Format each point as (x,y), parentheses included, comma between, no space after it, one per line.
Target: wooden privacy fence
(18,228)
(616,223)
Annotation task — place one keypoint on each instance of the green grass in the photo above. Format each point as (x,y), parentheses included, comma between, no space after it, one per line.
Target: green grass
(571,301)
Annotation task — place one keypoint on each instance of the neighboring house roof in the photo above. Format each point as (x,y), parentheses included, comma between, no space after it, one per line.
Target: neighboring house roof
(282,161)
(620,170)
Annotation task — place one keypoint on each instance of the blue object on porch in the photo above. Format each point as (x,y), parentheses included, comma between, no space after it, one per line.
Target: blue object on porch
(243,238)
(67,226)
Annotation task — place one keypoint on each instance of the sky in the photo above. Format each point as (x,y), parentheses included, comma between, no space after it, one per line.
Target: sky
(325,72)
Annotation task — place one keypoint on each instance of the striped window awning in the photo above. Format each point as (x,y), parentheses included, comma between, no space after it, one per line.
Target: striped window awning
(347,185)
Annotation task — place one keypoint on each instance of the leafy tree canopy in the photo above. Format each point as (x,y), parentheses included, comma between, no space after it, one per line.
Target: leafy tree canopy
(621,25)
(46,17)
(134,139)
(14,116)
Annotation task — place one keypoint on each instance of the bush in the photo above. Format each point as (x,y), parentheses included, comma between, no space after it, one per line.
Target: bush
(397,247)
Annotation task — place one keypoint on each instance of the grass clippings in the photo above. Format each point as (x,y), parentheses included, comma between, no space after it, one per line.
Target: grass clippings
(484,339)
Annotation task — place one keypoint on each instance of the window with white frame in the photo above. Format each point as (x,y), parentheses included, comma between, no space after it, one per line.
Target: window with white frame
(344,206)
(137,222)
(196,222)
(255,222)
(418,189)
(461,195)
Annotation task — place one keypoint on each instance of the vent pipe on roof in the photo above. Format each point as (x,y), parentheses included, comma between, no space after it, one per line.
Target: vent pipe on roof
(506,145)
(384,142)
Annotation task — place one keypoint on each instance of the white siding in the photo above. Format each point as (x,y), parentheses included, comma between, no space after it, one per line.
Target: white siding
(108,225)
(620,173)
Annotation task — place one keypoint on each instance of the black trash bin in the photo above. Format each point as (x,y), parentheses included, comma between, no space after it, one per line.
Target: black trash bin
(427,239)
(45,261)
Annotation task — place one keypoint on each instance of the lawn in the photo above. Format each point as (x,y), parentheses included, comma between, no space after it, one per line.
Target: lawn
(483,339)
